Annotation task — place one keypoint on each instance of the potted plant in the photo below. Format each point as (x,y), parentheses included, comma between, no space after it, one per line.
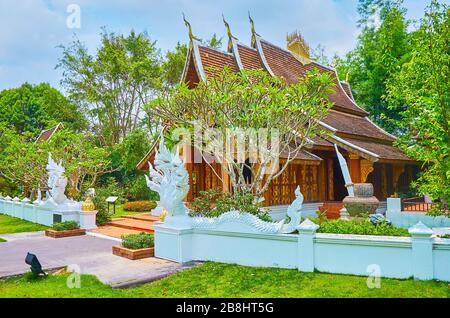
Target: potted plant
(135,246)
(65,229)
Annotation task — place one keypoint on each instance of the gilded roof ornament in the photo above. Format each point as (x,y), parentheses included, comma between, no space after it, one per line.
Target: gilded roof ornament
(230,36)
(297,45)
(252,23)
(188,25)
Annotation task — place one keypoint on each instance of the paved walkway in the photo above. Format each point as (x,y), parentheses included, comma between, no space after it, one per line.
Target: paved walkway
(92,255)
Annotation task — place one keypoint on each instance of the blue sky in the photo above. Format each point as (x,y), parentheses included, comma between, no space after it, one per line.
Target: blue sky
(31,30)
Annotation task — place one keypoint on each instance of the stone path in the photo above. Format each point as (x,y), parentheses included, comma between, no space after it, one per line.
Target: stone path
(92,255)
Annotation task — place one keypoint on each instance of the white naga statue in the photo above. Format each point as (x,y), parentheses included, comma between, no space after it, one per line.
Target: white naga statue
(56,181)
(170,179)
(345,172)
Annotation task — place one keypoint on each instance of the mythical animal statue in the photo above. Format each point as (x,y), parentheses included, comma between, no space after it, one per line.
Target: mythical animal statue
(345,172)
(294,212)
(251,221)
(56,183)
(170,179)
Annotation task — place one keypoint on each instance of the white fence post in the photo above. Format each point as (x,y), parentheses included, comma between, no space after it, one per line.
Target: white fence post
(394,205)
(422,251)
(307,233)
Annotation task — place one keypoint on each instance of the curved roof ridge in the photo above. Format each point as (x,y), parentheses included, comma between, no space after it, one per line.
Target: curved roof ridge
(260,51)
(380,129)
(351,100)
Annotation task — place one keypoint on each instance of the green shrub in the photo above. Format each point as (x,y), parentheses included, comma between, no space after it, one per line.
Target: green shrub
(66,225)
(137,241)
(136,190)
(139,206)
(361,226)
(213,203)
(438,210)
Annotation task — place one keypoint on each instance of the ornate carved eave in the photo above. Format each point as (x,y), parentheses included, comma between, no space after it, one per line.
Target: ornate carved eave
(366,167)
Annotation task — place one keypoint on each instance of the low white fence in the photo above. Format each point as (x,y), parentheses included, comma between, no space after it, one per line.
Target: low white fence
(420,256)
(407,219)
(46,214)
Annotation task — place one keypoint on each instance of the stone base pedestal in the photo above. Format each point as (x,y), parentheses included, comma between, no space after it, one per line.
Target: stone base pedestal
(87,220)
(343,214)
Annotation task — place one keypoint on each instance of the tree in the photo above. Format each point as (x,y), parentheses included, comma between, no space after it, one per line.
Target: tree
(382,48)
(174,64)
(422,90)
(32,108)
(114,84)
(23,162)
(83,161)
(228,109)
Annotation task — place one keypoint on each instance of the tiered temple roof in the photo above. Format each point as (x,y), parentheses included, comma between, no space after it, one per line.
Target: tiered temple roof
(348,123)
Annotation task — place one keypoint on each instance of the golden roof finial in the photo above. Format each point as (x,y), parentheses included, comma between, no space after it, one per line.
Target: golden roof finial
(347,76)
(253,30)
(188,25)
(230,36)
(297,45)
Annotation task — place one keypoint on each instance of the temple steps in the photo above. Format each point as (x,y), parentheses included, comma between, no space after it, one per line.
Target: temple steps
(138,222)
(142,217)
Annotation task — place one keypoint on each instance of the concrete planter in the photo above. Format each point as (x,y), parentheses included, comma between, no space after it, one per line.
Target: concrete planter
(133,254)
(66,233)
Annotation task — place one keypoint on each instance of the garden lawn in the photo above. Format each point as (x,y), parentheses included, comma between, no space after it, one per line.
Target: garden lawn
(222,280)
(9,224)
(121,212)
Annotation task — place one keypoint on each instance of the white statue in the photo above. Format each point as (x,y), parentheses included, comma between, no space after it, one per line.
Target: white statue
(56,181)
(345,172)
(294,212)
(170,179)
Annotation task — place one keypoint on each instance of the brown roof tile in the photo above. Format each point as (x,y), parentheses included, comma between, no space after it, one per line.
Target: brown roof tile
(46,134)
(347,89)
(215,60)
(249,58)
(285,65)
(355,125)
(384,151)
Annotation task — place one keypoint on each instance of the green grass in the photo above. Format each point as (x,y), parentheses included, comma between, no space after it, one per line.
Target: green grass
(121,212)
(222,280)
(9,224)
(2,240)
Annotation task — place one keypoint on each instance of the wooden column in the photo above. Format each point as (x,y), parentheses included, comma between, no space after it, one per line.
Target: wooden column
(384,181)
(186,153)
(225,179)
(330,176)
(322,181)
(354,167)
(397,170)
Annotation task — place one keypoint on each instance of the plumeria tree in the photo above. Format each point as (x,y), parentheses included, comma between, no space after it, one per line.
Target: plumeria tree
(247,120)
(23,162)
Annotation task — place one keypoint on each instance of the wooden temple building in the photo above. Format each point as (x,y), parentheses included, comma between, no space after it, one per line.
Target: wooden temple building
(368,149)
